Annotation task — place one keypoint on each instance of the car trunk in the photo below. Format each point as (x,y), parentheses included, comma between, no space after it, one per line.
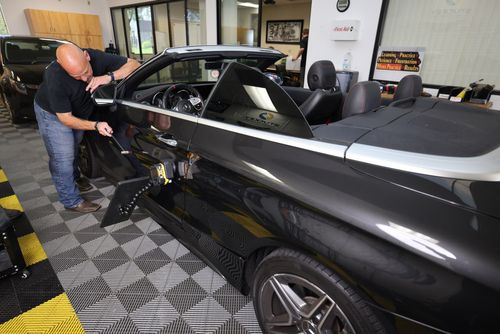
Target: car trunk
(449,151)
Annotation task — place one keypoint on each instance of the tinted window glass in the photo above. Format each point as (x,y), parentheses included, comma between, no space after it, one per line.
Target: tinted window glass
(246,97)
(24,51)
(191,71)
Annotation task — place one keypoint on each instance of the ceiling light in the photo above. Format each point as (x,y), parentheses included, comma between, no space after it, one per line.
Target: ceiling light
(247,4)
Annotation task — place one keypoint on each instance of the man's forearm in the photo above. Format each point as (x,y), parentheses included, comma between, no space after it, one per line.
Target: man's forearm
(75,123)
(126,69)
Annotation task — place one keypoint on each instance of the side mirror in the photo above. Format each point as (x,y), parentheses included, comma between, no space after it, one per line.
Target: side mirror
(105,95)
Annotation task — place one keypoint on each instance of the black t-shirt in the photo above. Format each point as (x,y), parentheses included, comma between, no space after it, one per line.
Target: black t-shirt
(303,45)
(60,93)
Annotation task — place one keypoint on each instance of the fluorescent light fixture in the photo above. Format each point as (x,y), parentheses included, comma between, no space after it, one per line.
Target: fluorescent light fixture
(260,97)
(247,4)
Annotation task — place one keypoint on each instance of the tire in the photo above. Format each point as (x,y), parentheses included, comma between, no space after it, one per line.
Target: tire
(87,161)
(328,305)
(13,118)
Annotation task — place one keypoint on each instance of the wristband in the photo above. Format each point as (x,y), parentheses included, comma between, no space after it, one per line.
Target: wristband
(95,126)
(112,75)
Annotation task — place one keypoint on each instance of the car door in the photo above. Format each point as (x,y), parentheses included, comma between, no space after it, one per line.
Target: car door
(147,135)
(245,161)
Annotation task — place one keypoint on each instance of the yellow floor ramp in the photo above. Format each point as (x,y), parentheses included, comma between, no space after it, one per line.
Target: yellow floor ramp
(54,316)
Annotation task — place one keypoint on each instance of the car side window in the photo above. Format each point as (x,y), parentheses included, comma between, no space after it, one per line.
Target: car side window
(246,97)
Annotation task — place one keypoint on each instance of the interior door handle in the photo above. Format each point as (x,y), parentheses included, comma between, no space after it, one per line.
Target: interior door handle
(167,139)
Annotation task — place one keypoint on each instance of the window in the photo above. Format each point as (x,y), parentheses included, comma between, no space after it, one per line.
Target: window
(3,24)
(190,71)
(27,51)
(119,28)
(141,31)
(246,97)
(239,22)
(460,38)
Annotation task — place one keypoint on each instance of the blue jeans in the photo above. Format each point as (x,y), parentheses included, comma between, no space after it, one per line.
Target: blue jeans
(61,143)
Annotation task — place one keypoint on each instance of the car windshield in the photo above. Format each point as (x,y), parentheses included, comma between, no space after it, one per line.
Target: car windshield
(193,71)
(30,51)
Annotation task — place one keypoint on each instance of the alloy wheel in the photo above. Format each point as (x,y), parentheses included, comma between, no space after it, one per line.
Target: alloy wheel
(292,304)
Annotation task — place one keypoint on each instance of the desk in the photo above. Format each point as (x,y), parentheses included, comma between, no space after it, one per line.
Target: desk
(386,96)
(272,68)
(293,76)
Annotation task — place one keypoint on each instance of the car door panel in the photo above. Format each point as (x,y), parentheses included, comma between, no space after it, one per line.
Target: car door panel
(151,128)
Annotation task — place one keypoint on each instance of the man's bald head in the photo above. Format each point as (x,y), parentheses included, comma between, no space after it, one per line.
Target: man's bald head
(74,61)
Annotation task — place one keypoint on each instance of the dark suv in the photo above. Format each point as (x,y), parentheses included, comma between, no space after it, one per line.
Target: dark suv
(23,61)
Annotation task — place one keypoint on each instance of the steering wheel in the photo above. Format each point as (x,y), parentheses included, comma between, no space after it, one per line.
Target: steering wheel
(183,97)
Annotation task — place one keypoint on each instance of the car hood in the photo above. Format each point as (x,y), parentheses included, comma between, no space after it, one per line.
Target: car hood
(28,73)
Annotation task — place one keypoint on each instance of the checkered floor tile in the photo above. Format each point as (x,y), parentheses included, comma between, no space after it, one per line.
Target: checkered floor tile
(132,277)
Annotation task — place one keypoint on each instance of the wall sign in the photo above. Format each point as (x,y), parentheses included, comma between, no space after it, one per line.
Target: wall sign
(343,5)
(393,63)
(345,30)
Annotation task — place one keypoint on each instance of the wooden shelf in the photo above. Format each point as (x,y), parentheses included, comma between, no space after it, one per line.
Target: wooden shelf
(82,29)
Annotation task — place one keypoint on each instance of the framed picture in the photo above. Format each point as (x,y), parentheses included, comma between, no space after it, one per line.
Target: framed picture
(284,31)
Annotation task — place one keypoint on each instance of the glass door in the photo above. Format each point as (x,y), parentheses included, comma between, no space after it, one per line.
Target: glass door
(162,29)
(178,23)
(146,32)
(118,27)
(132,33)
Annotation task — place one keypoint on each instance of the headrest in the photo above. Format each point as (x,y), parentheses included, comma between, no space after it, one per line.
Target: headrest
(321,75)
(363,97)
(409,86)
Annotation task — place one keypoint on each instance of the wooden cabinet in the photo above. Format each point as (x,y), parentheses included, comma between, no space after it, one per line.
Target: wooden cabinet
(82,29)
(84,24)
(87,41)
(44,21)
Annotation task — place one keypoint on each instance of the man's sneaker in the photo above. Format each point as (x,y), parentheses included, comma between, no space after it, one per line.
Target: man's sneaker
(83,184)
(85,207)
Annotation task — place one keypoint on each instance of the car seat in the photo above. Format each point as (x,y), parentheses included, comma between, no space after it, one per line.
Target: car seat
(409,86)
(323,104)
(362,97)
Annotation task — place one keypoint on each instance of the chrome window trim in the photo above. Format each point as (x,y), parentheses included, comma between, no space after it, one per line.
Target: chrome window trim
(330,149)
(334,150)
(218,48)
(171,113)
(484,167)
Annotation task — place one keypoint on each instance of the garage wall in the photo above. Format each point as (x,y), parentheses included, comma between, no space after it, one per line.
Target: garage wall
(323,13)
(17,24)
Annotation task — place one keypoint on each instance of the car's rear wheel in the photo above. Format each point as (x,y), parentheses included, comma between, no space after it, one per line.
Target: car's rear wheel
(87,161)
(294,293)
(13,118)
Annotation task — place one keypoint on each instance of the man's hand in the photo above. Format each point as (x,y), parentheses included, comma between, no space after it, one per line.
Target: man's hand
(98,81)
(104,129)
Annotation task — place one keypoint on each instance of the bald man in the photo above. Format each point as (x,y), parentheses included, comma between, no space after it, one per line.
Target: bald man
(63,105)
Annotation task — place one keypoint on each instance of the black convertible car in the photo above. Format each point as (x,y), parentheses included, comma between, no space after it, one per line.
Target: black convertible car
(385,221)
(23,60)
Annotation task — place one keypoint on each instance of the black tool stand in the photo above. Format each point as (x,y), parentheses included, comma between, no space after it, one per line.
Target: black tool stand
(11,257)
